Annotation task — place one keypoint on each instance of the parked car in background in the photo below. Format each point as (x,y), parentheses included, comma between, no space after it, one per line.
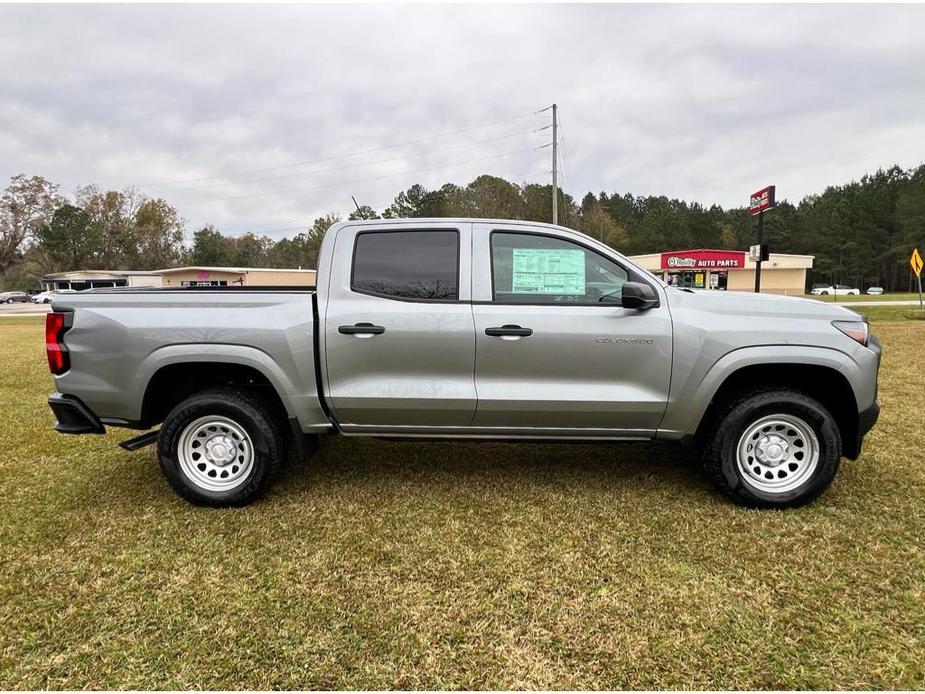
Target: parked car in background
(877,291)
(14,297)
(836,290)
(49,296)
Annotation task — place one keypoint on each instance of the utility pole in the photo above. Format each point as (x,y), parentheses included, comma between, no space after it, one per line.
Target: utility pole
(555,171)
(760,252)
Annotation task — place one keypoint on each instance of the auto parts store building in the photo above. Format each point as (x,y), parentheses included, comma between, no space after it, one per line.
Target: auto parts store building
(705,268)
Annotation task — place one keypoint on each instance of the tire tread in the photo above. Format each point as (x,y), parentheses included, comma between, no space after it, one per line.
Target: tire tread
(270,436)
(723,419)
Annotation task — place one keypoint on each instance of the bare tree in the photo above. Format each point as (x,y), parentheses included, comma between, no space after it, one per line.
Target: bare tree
(25,206)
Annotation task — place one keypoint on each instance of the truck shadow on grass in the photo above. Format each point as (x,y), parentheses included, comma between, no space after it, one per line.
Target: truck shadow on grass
(419,466)
(358,468)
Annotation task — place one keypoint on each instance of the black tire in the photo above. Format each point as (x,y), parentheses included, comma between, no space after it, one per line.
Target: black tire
(248,411)
(729,424)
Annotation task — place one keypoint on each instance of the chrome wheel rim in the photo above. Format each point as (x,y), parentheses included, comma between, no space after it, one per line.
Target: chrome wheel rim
(777,453)
(215,453)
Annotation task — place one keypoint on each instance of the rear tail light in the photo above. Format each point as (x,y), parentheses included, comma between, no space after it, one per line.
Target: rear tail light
(56,324)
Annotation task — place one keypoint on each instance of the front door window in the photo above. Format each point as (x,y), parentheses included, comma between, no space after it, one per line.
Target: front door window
(534,269)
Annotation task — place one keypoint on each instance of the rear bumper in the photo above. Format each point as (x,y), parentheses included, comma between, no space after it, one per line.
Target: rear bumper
(73,417)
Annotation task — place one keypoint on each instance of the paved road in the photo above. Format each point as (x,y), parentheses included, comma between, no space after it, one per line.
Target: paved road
(24,309)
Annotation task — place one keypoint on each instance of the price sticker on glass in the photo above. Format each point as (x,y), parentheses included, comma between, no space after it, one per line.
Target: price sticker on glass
(548,271)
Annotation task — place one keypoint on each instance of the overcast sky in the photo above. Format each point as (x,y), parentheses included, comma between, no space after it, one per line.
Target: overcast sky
(706,103)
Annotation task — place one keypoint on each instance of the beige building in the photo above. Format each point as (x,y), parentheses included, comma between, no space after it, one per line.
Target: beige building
(236,277)
(180,277)
(703,268)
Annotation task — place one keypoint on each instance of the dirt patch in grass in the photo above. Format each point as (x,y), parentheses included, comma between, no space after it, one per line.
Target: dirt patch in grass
(439,565)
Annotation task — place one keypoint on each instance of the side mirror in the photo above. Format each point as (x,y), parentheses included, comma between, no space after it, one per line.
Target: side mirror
(639,295)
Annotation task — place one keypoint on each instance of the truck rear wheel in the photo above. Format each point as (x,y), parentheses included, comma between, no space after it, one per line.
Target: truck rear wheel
(775,448)
(221,447)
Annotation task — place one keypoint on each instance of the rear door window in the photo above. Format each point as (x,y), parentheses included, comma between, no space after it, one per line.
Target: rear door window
(409,265)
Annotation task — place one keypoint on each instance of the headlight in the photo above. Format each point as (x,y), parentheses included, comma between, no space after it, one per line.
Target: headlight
(857,330)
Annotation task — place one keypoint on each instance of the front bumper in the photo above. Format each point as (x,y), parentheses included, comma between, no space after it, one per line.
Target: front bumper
(866,420)
(73,417)
(867,417)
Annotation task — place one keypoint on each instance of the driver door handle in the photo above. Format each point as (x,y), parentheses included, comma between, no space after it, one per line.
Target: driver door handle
(361,329)
(509,331)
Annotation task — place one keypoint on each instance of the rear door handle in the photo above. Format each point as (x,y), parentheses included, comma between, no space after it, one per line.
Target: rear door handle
(361,329)
(509,330)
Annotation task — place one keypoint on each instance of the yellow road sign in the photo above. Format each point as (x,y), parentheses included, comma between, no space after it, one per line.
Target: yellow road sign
(916,262)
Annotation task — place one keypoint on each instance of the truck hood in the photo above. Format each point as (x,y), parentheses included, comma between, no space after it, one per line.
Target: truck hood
(750,304)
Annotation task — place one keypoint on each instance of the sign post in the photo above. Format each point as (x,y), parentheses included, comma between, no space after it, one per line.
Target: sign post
(916,262)
(759,203)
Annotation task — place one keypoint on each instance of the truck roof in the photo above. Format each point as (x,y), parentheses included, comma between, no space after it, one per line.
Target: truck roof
(450,220)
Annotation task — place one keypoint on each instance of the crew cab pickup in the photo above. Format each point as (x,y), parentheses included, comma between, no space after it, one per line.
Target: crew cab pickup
(466,329)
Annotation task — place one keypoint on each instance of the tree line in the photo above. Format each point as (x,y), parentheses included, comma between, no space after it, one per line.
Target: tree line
(861,233)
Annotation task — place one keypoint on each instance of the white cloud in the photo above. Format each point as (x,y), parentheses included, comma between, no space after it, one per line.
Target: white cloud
(704,102)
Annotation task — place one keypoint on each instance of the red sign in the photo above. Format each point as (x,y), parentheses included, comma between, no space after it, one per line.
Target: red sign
(761,201)
(202,274)
(703,260)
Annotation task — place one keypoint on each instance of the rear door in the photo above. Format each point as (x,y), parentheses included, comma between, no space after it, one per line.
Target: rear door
(399,339)
(556,353)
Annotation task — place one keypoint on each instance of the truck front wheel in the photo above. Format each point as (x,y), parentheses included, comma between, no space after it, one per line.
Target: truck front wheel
(773,448)
(221,447)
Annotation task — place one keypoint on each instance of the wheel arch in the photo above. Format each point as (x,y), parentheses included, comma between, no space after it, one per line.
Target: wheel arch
(173,373)
(823,382)
(173,383)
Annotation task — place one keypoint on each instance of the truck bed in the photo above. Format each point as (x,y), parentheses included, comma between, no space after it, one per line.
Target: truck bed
(122,339)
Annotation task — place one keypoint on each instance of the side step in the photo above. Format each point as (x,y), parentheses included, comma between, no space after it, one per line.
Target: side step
(140,441)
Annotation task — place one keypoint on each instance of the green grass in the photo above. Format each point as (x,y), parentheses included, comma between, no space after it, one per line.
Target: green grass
(890,313)
(419,565)
(893,296)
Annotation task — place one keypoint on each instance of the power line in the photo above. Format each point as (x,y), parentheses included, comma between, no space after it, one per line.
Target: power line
(534,178)
(563,155)
(361,180)
(353,166)
(248,227)
(303,227)
(555,165)
(341,156)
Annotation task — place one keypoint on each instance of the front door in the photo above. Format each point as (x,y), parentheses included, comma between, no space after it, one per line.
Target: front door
(399,343)
(556,353)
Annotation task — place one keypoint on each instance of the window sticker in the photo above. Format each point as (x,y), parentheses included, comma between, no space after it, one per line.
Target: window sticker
(548,271)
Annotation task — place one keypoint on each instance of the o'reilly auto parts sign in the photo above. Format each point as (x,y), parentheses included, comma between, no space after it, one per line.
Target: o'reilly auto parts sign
(761,200)
(703,259)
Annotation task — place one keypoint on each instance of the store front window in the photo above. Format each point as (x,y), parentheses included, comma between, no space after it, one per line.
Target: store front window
(688,279)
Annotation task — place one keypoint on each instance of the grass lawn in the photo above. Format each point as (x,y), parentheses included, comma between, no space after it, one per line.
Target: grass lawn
(381,565)
(890,313)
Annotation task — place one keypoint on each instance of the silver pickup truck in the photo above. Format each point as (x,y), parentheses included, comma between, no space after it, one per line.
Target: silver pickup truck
(467,329)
